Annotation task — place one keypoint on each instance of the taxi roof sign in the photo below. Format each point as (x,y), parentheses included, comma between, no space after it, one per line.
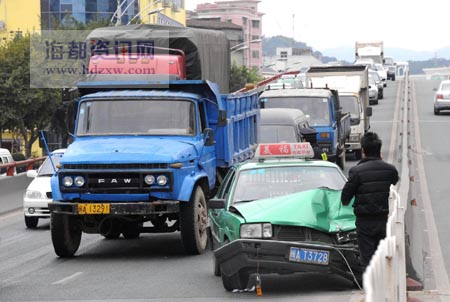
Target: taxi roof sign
(285,150)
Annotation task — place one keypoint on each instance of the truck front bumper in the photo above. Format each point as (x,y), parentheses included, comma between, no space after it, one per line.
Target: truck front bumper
(271,256)
(126,208)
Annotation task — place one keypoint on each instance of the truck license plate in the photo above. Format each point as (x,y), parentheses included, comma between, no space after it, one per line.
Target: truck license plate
(93,208)
(309,256)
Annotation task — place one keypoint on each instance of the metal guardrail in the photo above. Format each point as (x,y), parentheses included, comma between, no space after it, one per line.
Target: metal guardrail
(29,163)
(385,277)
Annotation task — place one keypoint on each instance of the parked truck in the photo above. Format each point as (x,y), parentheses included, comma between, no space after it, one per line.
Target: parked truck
(352,85)
(323,108)
(148,153)
(370,50)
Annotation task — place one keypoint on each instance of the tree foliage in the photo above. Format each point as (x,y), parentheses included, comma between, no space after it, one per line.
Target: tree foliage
(241,75)
(23,109)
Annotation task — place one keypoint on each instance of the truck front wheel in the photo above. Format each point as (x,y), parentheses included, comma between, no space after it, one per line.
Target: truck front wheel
(193,223)
(66,234)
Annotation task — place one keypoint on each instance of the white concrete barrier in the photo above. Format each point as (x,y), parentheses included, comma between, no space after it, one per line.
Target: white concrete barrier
(385,278)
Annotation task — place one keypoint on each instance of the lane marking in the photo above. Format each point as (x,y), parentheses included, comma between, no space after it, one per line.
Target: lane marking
(67,279)
(438,264)
(11,214)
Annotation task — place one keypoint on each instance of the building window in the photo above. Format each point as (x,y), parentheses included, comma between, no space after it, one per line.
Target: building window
(255,54)
(255,37)
(283,54)
(244,20)
(255,23)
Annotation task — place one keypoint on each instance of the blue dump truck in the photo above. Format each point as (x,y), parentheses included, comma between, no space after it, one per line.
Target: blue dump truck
(325,115)
(146,156)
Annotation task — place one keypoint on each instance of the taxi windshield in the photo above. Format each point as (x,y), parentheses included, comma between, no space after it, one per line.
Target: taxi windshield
(272,182)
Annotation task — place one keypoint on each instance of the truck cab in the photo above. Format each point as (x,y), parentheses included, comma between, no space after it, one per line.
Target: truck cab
(325,116)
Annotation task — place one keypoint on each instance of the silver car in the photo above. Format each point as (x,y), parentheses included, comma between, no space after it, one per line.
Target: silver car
(442,97)
(373,91)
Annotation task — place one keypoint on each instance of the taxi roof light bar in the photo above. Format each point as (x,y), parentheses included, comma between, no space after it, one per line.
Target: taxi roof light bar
(302,150)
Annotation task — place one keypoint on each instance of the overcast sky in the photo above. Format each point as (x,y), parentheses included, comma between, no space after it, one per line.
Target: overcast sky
(325,24)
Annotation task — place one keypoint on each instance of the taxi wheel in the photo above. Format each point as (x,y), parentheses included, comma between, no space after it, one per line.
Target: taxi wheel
(131,230)
(194,222)
(237,281)
(66,234)
(31,222)
(216,267)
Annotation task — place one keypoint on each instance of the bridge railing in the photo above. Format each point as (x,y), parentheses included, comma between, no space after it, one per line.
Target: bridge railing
(28,163)
(385,277)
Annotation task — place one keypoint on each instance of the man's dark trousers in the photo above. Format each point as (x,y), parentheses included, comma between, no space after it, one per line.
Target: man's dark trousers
(369,231)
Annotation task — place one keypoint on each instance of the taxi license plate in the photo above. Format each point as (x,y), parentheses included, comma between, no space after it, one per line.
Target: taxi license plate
(93,208)
(309,256)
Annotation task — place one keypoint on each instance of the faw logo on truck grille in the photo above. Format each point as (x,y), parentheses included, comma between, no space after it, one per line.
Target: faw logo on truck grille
(116,181)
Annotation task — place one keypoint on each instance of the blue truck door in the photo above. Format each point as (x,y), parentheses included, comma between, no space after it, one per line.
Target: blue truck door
(208,157)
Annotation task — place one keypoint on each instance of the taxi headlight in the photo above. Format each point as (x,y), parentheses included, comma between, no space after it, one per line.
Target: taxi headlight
(149,179)
(31,194)
(67,181)
(161,180)
(79,181)
(256,230)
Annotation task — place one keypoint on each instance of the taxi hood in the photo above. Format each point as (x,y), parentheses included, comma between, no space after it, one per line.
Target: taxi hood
(320,209)
(129,150)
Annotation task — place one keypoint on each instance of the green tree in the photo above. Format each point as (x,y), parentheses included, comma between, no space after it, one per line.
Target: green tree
(241,75)
(23,109)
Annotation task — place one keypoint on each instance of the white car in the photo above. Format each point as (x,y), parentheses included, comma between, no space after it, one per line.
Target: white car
(442,97)
(373,91)
(39,192)
(382,73)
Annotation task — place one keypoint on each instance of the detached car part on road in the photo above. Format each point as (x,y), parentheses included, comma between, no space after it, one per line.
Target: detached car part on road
(282,215)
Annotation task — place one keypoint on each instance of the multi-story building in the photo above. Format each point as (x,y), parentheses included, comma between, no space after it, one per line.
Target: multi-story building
(166,12)
(243,13)
(18,16)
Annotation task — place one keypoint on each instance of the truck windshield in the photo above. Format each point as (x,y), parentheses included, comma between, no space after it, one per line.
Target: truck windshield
(317,108)
(282,180)
(278,134)
(350,104)
(136,117)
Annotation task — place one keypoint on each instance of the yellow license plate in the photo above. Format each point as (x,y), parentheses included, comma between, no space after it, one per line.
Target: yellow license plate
(93,208)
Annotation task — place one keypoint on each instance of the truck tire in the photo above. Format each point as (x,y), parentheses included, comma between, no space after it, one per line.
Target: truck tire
(66,234)
(31,222)
(131,230)
(237,281)
(193,223)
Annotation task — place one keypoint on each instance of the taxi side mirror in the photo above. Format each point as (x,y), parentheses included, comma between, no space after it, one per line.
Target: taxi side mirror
(216,203)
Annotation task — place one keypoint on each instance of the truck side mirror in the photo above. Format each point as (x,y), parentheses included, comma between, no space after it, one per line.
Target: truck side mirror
(222,118)
(208,137)
(41,140)
(369,111)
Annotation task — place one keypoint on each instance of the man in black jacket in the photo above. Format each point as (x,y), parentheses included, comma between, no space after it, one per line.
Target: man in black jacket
(369,182)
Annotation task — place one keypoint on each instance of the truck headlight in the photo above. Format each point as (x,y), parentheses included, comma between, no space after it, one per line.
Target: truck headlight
(149,179)
(79,181)
(256,230)
(67,181)
(34,194)
(161,180)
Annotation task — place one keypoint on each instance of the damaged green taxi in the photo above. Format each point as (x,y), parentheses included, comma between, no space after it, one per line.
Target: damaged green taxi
(281,213)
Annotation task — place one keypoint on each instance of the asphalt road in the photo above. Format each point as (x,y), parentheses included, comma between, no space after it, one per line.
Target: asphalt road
(154,267)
